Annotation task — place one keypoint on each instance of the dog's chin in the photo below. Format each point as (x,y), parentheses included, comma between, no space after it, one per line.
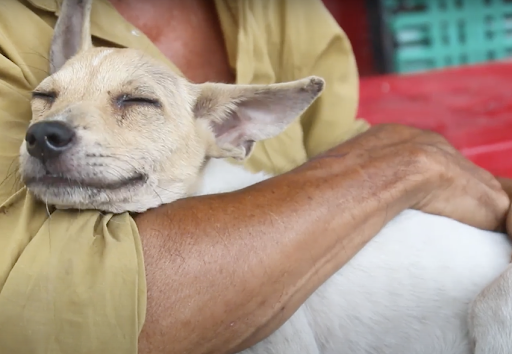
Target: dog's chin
(107,196)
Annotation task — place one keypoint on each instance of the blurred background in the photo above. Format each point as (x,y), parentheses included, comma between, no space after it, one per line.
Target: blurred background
(441,65)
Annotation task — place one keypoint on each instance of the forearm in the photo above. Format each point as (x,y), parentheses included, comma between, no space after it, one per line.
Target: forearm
(224,271)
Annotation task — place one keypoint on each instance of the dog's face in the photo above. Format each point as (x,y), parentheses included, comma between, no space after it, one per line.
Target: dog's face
(115,130)
(112,130)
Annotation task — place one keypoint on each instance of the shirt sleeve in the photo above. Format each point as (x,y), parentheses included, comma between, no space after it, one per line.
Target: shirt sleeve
(70,281)
(314,44)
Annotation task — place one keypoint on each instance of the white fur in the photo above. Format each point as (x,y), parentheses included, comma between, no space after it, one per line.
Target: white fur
(409,291)
(220,176)
(98,59)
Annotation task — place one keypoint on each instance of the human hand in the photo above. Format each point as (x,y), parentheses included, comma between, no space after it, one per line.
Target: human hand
(441,181)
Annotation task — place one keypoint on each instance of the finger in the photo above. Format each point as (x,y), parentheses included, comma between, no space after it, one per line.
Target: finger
(497,203)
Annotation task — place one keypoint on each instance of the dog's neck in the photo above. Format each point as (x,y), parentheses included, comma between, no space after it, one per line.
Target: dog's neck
(221,176)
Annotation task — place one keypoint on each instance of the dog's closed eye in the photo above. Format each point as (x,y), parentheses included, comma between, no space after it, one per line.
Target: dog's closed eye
(48,96)
(128,100)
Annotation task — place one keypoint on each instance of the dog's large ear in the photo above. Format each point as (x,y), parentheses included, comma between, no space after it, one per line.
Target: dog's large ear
(72,32)
(239,115)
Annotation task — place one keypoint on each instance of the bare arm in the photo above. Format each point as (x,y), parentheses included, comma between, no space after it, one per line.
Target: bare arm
(225,271)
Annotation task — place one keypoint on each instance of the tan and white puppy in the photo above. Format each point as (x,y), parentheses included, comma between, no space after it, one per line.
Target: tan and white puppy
(117,131)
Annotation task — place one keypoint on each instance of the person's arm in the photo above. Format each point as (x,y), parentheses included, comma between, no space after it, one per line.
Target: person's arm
(224,271)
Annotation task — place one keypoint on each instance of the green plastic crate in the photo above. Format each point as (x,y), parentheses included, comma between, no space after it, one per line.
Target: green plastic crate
(432,34)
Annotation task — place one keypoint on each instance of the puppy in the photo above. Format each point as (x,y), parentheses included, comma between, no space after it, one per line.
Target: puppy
(115,130)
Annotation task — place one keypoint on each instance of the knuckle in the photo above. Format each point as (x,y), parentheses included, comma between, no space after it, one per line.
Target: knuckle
(435,138)
(503,201)
(424,153)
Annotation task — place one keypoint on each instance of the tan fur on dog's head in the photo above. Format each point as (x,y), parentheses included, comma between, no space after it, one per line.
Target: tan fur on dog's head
(136,135)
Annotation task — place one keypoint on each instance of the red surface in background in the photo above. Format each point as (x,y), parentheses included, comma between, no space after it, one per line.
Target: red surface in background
(471,106)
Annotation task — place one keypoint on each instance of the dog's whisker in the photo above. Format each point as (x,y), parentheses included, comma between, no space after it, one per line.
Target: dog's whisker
(158,195)
(47,209)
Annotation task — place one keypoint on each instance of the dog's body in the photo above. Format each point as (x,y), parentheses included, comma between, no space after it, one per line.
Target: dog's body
(408,291)
(116,131)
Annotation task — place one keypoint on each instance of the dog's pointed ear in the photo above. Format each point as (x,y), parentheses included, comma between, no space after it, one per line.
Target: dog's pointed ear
(72,32)
(239,115)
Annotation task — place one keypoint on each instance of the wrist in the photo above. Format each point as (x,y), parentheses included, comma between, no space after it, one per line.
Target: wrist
(424,176)
(397,180)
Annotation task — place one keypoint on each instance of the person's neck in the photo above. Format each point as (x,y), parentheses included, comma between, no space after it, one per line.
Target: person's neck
(187,32)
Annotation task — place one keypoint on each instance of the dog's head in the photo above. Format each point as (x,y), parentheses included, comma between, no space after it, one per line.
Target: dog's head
(115,130)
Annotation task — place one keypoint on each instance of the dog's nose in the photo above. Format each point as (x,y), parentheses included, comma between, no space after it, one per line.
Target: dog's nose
(47,140)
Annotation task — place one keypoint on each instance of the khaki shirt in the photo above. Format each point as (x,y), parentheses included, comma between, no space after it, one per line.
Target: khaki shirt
(74,282)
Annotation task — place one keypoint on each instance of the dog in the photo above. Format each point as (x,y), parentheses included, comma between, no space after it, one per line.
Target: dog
(115,130)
